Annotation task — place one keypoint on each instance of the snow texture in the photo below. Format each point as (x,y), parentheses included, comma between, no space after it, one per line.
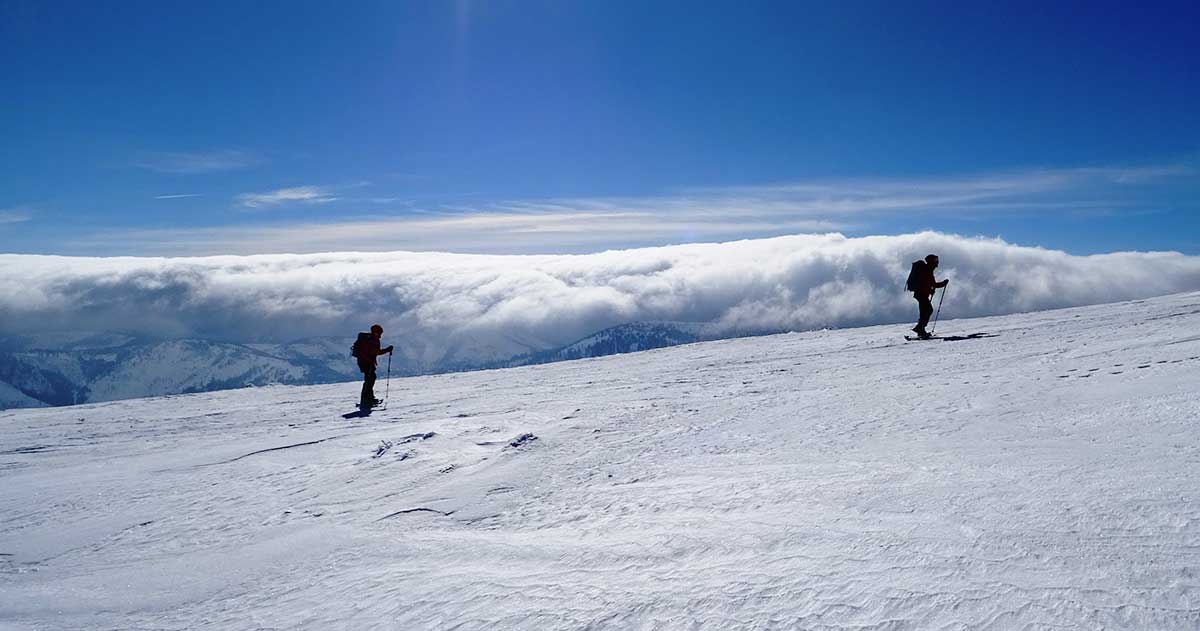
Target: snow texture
(1030,471)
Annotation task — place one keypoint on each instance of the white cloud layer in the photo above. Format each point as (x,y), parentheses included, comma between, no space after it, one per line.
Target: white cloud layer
(471,305)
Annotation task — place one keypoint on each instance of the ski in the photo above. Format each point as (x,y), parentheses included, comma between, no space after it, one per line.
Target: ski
(912,338)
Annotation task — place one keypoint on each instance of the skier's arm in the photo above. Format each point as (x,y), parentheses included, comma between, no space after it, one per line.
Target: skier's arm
(943,283)
(385,351)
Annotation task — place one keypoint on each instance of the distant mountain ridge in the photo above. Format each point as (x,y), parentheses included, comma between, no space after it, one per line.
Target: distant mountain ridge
(92,367)
(630,337)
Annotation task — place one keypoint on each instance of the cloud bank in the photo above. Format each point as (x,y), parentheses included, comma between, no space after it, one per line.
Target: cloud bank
(442,305)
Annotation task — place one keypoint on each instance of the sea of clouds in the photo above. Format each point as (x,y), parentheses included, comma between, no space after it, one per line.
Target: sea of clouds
(442,301)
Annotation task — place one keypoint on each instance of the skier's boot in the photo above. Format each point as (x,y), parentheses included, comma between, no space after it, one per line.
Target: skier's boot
(377,402)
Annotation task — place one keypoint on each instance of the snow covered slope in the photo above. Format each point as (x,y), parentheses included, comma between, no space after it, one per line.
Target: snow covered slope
(1031,471)
(153,368)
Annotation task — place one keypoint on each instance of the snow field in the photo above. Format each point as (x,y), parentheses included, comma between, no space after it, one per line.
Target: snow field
(1041,474)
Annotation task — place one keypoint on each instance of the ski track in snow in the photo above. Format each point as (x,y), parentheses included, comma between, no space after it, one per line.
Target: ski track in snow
(1044,477)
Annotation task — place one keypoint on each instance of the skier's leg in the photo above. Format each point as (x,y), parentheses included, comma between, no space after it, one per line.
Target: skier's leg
(368,390)
(924,310)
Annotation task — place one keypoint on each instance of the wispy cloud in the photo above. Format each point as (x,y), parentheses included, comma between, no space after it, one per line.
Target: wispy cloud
(1137,175)
(193,163)
(994,192)
(584,224)
(176,196)
(483,232)
(16,214)
(838,201)
(408,177)
(302,194)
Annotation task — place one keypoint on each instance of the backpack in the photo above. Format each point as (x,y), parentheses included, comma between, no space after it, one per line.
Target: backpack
(914,276)
(358,343)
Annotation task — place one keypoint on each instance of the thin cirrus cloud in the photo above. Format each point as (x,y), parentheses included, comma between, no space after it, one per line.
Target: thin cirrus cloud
(197,163)
(583,224)
(1066,189)
(300,194)
(17,214)
(466,306)
(182,196)
(482,232)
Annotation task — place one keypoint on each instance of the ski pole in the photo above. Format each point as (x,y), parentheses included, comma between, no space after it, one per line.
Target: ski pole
(387,385)
(939,310)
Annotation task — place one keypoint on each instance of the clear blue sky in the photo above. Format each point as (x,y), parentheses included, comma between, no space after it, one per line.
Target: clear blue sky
(211,127)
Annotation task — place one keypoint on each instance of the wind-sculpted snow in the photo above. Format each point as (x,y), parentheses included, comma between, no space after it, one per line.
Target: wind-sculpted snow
(1034,472)
(467,309)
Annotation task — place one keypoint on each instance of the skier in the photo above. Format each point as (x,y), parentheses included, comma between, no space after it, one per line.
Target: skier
(922,283)
(366,349)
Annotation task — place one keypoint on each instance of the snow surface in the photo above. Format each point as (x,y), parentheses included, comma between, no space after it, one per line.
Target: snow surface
(1031,471)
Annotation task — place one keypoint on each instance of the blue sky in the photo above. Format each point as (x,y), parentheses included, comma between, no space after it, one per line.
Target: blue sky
(209,128)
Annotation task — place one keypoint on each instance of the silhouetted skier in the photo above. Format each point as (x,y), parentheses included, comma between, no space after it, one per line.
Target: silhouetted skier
(365,350)
(922,283)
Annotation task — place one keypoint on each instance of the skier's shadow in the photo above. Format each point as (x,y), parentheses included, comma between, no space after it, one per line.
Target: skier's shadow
(973,336)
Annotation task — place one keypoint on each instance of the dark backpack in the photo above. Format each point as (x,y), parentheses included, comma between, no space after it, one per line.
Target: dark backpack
(360,342)
(915,275)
